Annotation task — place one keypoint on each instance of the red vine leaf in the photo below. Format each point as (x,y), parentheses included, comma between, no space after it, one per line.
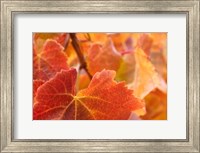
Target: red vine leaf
(55,98)
(104,99)
(36,85)
(50,60)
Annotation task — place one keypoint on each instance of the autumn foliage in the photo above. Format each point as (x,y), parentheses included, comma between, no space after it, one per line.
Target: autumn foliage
(99,76)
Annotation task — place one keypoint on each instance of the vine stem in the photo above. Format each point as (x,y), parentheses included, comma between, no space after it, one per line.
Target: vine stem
(81,58)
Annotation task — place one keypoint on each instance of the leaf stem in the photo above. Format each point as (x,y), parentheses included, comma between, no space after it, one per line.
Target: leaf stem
(79,54)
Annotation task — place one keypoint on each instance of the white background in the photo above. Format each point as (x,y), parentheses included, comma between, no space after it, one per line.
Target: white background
(173,128)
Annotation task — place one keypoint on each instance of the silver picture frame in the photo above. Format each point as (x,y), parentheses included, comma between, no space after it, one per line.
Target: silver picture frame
(188,7)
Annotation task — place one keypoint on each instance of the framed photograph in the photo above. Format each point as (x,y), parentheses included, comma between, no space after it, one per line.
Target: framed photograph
(99,76)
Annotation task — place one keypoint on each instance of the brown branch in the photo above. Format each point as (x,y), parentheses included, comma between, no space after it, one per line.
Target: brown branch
(79,54)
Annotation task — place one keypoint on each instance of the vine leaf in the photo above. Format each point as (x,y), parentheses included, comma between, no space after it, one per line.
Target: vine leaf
(146,77)
(103,99)
(49,60)
(156,106)
(61,38)
(145,42)
(36,85)
(103,57)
